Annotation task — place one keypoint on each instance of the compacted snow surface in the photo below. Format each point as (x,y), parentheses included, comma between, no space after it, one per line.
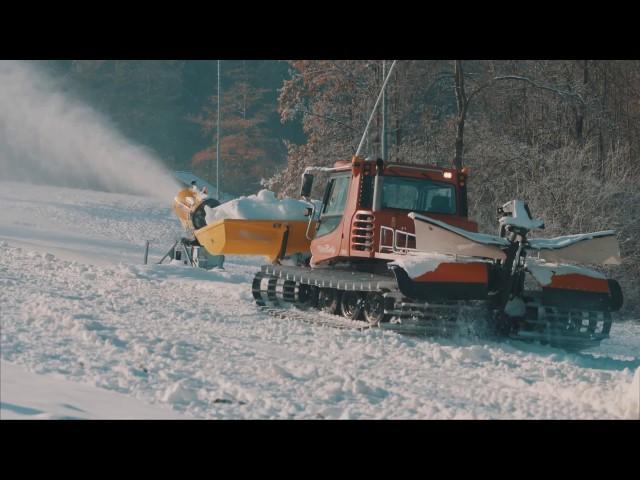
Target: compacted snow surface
(103,336)
(29,396)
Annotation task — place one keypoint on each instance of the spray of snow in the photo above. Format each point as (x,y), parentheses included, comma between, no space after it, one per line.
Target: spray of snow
(262,206)
(515,307)
(46,137)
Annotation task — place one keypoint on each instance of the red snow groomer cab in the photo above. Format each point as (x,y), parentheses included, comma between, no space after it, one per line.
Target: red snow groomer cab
(392,246)
(353,226)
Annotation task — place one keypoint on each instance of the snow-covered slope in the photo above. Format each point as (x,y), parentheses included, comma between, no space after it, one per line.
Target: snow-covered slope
(96,227)
(27,396)
(77,303)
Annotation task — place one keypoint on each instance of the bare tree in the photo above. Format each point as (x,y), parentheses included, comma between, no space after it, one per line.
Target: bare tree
(463,100)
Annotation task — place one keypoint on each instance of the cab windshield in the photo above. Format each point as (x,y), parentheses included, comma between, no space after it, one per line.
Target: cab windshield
(418,194)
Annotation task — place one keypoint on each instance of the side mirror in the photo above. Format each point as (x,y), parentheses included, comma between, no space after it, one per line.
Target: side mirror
(308,211)
(307,183)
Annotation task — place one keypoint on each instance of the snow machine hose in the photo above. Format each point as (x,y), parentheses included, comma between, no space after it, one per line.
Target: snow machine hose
(198,216)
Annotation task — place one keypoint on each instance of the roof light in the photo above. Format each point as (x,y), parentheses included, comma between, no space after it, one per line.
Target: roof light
(447,174)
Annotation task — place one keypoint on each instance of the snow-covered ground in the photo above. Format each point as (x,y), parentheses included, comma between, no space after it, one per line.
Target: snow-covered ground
(82,315)
(28,396)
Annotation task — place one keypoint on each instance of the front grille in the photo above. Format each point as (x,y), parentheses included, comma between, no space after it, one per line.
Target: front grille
(362,232)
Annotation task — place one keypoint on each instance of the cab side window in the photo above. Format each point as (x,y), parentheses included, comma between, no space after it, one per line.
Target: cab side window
(335,202)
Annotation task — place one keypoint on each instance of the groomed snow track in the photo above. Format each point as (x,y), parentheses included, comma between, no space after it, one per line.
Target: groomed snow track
(296,292)
(280,292)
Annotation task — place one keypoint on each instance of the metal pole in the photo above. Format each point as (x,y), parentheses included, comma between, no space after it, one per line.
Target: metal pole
(169,253)
(218,141)
(384,114)
(364,135)
(146,251)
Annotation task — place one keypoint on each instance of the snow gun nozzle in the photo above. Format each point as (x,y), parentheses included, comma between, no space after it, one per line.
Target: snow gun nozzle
(307,184)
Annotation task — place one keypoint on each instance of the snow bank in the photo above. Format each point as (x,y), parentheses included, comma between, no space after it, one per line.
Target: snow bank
(26,395)
(262,206)
(48,136)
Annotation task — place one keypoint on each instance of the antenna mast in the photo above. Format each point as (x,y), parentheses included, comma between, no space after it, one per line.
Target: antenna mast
(384,115)
(218,141)
(384,85)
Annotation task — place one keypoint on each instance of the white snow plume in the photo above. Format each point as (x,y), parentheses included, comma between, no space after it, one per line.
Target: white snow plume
(47,137)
